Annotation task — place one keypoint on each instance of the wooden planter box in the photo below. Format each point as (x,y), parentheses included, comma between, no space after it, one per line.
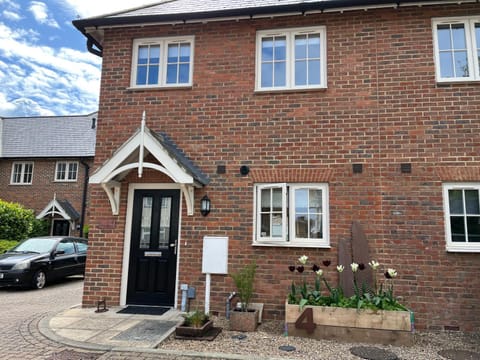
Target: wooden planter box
(350,325)
(190,331)
(244,320)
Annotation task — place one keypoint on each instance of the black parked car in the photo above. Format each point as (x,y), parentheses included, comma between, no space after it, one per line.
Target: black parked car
(35,261)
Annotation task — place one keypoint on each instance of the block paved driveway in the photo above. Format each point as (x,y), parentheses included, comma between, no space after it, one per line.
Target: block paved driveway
(22,310)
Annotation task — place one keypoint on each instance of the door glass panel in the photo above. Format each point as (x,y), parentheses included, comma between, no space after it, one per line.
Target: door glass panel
(164,230)
(146,227)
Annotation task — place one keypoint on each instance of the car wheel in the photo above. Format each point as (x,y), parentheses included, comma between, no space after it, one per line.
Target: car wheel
(39,279)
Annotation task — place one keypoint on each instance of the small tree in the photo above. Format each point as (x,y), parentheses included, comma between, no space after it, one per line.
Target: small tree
(243,280)
(16,222)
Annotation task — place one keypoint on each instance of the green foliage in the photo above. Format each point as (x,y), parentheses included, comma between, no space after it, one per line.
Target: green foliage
(16,222)
(363,298)
(195,318)
(40,228)
(243,280)
(7,245)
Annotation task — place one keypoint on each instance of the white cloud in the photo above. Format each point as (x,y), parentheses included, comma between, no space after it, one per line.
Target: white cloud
(39,11)
(87,8)
(10,15)
(40,80)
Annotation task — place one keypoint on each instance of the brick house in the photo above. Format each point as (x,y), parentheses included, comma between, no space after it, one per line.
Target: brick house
(44,165)
(362,112)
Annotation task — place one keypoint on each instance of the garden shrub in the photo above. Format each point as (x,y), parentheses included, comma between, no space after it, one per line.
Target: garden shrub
(7,245)
(16,222)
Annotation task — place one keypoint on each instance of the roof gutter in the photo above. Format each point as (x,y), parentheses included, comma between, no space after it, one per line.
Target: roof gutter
(302,8)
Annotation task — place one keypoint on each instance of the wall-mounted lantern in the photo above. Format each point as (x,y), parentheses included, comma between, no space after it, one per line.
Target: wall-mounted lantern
(205,205)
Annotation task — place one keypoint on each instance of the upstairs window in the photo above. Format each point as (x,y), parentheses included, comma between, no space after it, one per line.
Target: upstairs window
(457,48)
(66,171)
(291,59)
(462,216)
(22,173)
(162,62)
(292,215)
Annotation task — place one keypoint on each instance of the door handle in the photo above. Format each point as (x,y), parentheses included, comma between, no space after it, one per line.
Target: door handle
(174,246)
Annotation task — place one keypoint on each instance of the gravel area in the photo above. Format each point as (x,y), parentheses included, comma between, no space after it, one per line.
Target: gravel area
(265,343)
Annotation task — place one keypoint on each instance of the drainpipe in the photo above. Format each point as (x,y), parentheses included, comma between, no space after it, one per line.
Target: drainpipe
(229,304)
(84,196)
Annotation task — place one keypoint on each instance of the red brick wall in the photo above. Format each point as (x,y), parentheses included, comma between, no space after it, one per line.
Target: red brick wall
(37,195)
(382,108)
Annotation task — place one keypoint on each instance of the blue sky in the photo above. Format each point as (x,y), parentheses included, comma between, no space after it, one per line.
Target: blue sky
(45,69)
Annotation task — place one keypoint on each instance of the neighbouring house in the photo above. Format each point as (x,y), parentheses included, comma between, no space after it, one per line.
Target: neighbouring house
(292,120)
(44,165)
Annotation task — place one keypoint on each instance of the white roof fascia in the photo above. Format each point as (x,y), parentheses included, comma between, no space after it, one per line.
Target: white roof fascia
(50,210)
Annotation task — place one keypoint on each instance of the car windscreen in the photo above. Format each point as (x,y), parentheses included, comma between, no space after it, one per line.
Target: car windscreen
(39,245)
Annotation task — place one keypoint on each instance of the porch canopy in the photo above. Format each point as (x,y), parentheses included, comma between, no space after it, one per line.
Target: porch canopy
(59,208)
(132,154)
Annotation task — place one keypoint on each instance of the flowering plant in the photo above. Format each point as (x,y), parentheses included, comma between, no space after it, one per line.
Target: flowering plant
(365,297)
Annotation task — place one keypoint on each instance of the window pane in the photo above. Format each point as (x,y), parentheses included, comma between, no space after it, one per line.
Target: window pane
(277,199)
(172,74)
(27,176)
(72,171)
(267,75)
(153,74)
(457,227)
(473,226)
(142,55)
(265,225)
(300,47)
(314,72)
(277,220)
(280,48)
(164,231)
(173,53)
(154,54)
(300,73)
(265,200)
(146,222)
(185,53)
(458,36)
(315,226)
(184,72)
(472,202)
(461,64)
(446,64)
(61,167)
(301,226)
(315,204)
(141,75)
(280,74)
(455,198)
(267,49)
(477,35)
(301,201)
(314,46)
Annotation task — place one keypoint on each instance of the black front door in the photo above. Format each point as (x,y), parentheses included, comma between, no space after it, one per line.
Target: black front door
(61,228)
(153,247)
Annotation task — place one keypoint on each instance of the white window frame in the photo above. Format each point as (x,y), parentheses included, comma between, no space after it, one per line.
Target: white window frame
(473,65)
(288,226)
(450,245)
(22,173)
(290,57)
(67,171)
(163,42)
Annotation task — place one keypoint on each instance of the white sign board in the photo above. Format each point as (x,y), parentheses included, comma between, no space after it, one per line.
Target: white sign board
(215,255)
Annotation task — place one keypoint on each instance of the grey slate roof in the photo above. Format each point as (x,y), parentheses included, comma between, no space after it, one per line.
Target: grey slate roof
(51,136)
(69,209)
(176,153)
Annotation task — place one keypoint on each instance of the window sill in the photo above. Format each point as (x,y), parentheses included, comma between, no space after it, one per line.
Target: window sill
(26,184)
(65,181)
(146,88)
(291,90)
(445,83)
(463,249)
(291,245)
